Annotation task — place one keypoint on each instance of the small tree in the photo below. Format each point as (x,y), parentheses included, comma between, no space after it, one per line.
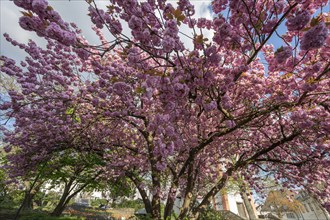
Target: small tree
(75,171)
(114,189)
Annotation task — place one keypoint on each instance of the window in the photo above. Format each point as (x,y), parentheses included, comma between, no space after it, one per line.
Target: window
(218,203)
(306,208)
(290,215)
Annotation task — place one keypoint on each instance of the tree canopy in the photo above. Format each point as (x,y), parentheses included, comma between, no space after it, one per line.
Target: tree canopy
(176,120)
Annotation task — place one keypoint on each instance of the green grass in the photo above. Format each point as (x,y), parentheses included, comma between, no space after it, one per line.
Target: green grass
(41,216)
(34,215)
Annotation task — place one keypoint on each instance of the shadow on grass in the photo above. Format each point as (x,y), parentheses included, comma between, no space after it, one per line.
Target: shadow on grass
(71,213)
(9,214)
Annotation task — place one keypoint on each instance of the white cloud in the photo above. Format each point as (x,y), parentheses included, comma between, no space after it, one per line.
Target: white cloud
(202,10)
(9,24)
(75,11)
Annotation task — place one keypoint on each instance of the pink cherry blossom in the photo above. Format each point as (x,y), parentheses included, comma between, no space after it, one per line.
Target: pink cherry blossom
(299,21)
(283,53)
(176,112)
(315,37)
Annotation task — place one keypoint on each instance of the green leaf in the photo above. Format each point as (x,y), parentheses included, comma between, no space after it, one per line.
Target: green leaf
(169,15)
(315,21)
(279,50)
(77,119)
(140,90)
(28,13)
(69,111)
(49,8)
(199,39)
(179,16)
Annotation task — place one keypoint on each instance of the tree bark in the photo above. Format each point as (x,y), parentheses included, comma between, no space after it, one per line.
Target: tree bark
(155,178)
(59,209)
(143,193)
(61,204)
(189,193)
(155,202)
(170,200)
(29,191)
(66,196)
(248,206)
(169,207)
(29,196)
(208,197)
(28,201)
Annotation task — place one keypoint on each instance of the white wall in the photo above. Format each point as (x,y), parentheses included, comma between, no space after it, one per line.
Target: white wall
(232,203)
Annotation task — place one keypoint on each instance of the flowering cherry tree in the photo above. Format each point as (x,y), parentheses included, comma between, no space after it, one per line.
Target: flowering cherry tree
(177,120)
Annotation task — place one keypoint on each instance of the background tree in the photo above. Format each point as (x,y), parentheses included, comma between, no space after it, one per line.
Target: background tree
(7,83)
(114,190)
(167,116)
(281,202)
(3,178)
(75,172)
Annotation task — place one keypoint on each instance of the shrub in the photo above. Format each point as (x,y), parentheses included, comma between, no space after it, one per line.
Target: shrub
(211,214)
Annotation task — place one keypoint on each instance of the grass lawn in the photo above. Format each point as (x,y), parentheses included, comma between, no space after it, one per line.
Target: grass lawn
(9,214)
(71,213)
(92,214)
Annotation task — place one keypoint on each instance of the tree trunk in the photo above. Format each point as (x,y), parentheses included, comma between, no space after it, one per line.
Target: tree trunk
(170,200)
(113,203)
(143,193)
(155,204)
(29,196)
(155,175)
(248,206)
(208,197)
(186,206)
(28,201)
(146,201)
(66,197)
(59,209)
(169,207)
(28,192)
(61,204)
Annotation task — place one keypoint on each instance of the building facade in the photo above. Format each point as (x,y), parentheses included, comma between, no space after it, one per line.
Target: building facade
(306,208)
(225,202)
(312,209)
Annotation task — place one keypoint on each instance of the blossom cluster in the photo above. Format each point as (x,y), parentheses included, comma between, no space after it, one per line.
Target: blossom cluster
(299,21)
(47,22)
(315,37)
(283,53)
(99,17)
